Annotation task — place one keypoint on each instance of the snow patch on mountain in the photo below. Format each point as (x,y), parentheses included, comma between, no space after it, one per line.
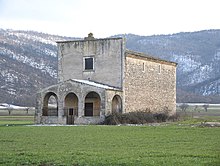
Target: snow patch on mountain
(185,62)
(50,52)
(33,37)
(201,74)
(212,88)
(9,77)
(31,62)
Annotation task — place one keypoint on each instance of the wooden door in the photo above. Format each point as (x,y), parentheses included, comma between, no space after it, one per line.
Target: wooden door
(88,109)
(70,116)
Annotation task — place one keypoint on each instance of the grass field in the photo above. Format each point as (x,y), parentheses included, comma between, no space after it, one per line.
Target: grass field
(16,120)
(171,144)
(178,143)
(17,112)
(199,113)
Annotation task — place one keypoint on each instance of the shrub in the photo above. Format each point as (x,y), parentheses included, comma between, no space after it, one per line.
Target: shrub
(161,117)
(174,117)
(112,119)
(183,107)
(205,106)
(138,117)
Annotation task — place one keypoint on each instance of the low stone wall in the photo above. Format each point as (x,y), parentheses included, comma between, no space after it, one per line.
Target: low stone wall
(88,120)
(52,120)
(63,121)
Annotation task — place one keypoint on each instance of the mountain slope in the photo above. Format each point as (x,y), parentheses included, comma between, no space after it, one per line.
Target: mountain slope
(28,62)
(197,55)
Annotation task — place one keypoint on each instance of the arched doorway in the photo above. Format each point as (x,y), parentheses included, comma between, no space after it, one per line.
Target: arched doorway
(92,104)
(71,107)
(117,104)
(50,104)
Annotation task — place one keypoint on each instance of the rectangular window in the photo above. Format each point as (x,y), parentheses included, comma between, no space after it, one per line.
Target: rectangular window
(159,69)
(143,67)
(89,64)
(70,111)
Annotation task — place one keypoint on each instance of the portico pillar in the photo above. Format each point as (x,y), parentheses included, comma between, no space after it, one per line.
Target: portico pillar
(81,106)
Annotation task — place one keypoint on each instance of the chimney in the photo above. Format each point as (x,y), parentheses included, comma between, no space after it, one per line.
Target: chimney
(90,37)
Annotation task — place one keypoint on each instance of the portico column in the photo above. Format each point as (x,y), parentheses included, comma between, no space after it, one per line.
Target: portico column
(39,109)
(61,118)
(81,106)
(102,107)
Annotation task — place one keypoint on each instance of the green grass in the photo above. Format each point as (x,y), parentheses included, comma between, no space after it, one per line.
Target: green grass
(109,145)
(16,120)
(177,143)
(200,114)
(17,112)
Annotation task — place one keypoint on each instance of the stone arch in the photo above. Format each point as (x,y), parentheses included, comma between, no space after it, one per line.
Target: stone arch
(50,104)
(117,104)
(71,104)
(92,104)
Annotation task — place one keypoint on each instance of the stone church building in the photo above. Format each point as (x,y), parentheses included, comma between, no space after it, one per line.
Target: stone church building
(99,76)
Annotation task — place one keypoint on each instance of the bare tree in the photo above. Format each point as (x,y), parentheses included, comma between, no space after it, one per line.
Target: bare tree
(9,111)
(205,106)
(184,106)
(196,106)
(27,109)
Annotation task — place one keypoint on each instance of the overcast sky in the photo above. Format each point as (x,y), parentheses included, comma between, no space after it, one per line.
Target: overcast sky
(76,18)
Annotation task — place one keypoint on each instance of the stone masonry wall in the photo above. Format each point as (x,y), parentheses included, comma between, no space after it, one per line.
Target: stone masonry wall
(149,84)
(108,60)
(109,97)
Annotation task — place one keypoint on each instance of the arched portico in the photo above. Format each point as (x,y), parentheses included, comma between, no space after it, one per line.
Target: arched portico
(92,104)
(50,104)
(71,107)
(75,102)
(117,104)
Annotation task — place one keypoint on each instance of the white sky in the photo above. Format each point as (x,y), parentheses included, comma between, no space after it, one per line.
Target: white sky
(76,18)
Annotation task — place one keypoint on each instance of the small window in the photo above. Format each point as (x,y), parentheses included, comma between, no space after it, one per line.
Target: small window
(159,69)
(71,111)
(89,63)
(143,67)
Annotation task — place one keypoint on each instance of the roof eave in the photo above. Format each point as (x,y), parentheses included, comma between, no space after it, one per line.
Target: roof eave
(140,55)
(83,40)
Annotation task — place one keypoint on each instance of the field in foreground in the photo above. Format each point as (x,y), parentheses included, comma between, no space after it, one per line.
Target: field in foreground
(171,144)
(178,143)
